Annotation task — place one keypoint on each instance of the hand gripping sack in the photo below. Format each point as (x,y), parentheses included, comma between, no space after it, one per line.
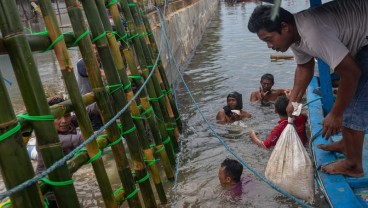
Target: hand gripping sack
(290,167)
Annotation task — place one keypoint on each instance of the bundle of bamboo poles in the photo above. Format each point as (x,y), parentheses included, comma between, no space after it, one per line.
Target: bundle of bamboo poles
(159,109)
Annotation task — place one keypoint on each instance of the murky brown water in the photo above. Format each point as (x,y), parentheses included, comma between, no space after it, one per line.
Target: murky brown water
(228,58)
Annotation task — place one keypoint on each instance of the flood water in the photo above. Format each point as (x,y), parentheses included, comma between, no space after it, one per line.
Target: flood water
(229,58)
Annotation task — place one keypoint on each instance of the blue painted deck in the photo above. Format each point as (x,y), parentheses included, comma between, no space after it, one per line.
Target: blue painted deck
(340,191)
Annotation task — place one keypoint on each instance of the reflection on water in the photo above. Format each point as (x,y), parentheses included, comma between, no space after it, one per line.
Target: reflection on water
(229,58)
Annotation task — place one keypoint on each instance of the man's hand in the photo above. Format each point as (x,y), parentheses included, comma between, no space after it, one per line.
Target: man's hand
(262,94)
(331,125)
(290,110)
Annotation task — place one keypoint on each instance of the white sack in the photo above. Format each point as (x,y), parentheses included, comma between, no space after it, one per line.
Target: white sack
(290,167)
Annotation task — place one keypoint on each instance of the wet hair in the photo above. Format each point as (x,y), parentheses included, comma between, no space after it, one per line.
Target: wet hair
(239,99)
(281,104)
(233,169)
(239,103)
(268,77)
(55,100)
(261,19)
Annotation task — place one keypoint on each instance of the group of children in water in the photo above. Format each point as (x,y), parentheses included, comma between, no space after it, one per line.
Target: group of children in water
(231,170)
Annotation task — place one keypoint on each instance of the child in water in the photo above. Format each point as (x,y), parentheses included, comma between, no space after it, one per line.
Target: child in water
(233,110)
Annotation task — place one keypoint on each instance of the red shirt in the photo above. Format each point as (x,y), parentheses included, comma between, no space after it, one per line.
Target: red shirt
(299,123)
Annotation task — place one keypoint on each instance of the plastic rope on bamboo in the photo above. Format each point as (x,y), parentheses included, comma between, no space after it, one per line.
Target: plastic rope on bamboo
(58,39)
(80,38)
(92,159)
(56,183)
(115,88)
(99,37)
(143,179)
(10,132)
(111,3)
(36,118)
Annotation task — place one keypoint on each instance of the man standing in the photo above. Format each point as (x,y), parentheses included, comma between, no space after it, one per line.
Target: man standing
(335,32)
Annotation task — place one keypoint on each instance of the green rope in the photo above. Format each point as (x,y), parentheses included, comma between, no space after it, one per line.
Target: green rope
(115,142)
(151,162)
(150,66)
(157,98)
(112,32)
(80,38)
(160,120)
(161,149)
(167,140)
(99,37)
(95,157)
(132,194)
(143,179)
(121,38)
(179,117)
(98,155)
(5,203)
(10,132)
(128,86)
(58,39)
(133,36)
(140,106)
(57,183)
(102,136)
(111,3)
(117,191)
(129,131)
(167,91)
(135,77)
(132,4)
(170,129)
(117,86)
(36,118)
(148,110)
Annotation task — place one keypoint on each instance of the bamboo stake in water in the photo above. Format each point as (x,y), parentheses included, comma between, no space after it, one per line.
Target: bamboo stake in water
(133,107)
(150,85)
(153,47)
(103,101)
(112,76)
(66,67)
(35,100)
(12,174)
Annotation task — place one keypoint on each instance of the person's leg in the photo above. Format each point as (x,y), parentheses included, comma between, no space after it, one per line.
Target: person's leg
(352,164)
(355,122)
(338,146)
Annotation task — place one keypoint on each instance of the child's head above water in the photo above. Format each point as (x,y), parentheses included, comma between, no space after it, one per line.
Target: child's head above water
(230,172)
(281,104)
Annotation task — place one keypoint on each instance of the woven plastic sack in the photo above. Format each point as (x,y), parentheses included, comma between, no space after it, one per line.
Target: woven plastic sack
(290,167)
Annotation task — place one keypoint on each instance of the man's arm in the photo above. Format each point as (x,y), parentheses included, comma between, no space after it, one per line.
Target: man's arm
(350,73)
(302,78)
(253,97)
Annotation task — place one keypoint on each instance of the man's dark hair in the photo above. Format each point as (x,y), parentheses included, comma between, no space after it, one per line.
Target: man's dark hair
(281,104)
(268,77)
(55,100)
(233,169)
(261,18)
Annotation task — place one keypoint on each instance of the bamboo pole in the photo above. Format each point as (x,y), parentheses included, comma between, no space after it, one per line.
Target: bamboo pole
(137,117)
(13,151)
(66,67)
(148,57)
(35,100)
(120,101)
(39,42)
(155,128)
(150,84)
(154,50)
(103,100)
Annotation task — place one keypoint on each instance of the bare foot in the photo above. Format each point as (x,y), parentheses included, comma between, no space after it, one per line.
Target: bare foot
(343,167)
(333,147)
